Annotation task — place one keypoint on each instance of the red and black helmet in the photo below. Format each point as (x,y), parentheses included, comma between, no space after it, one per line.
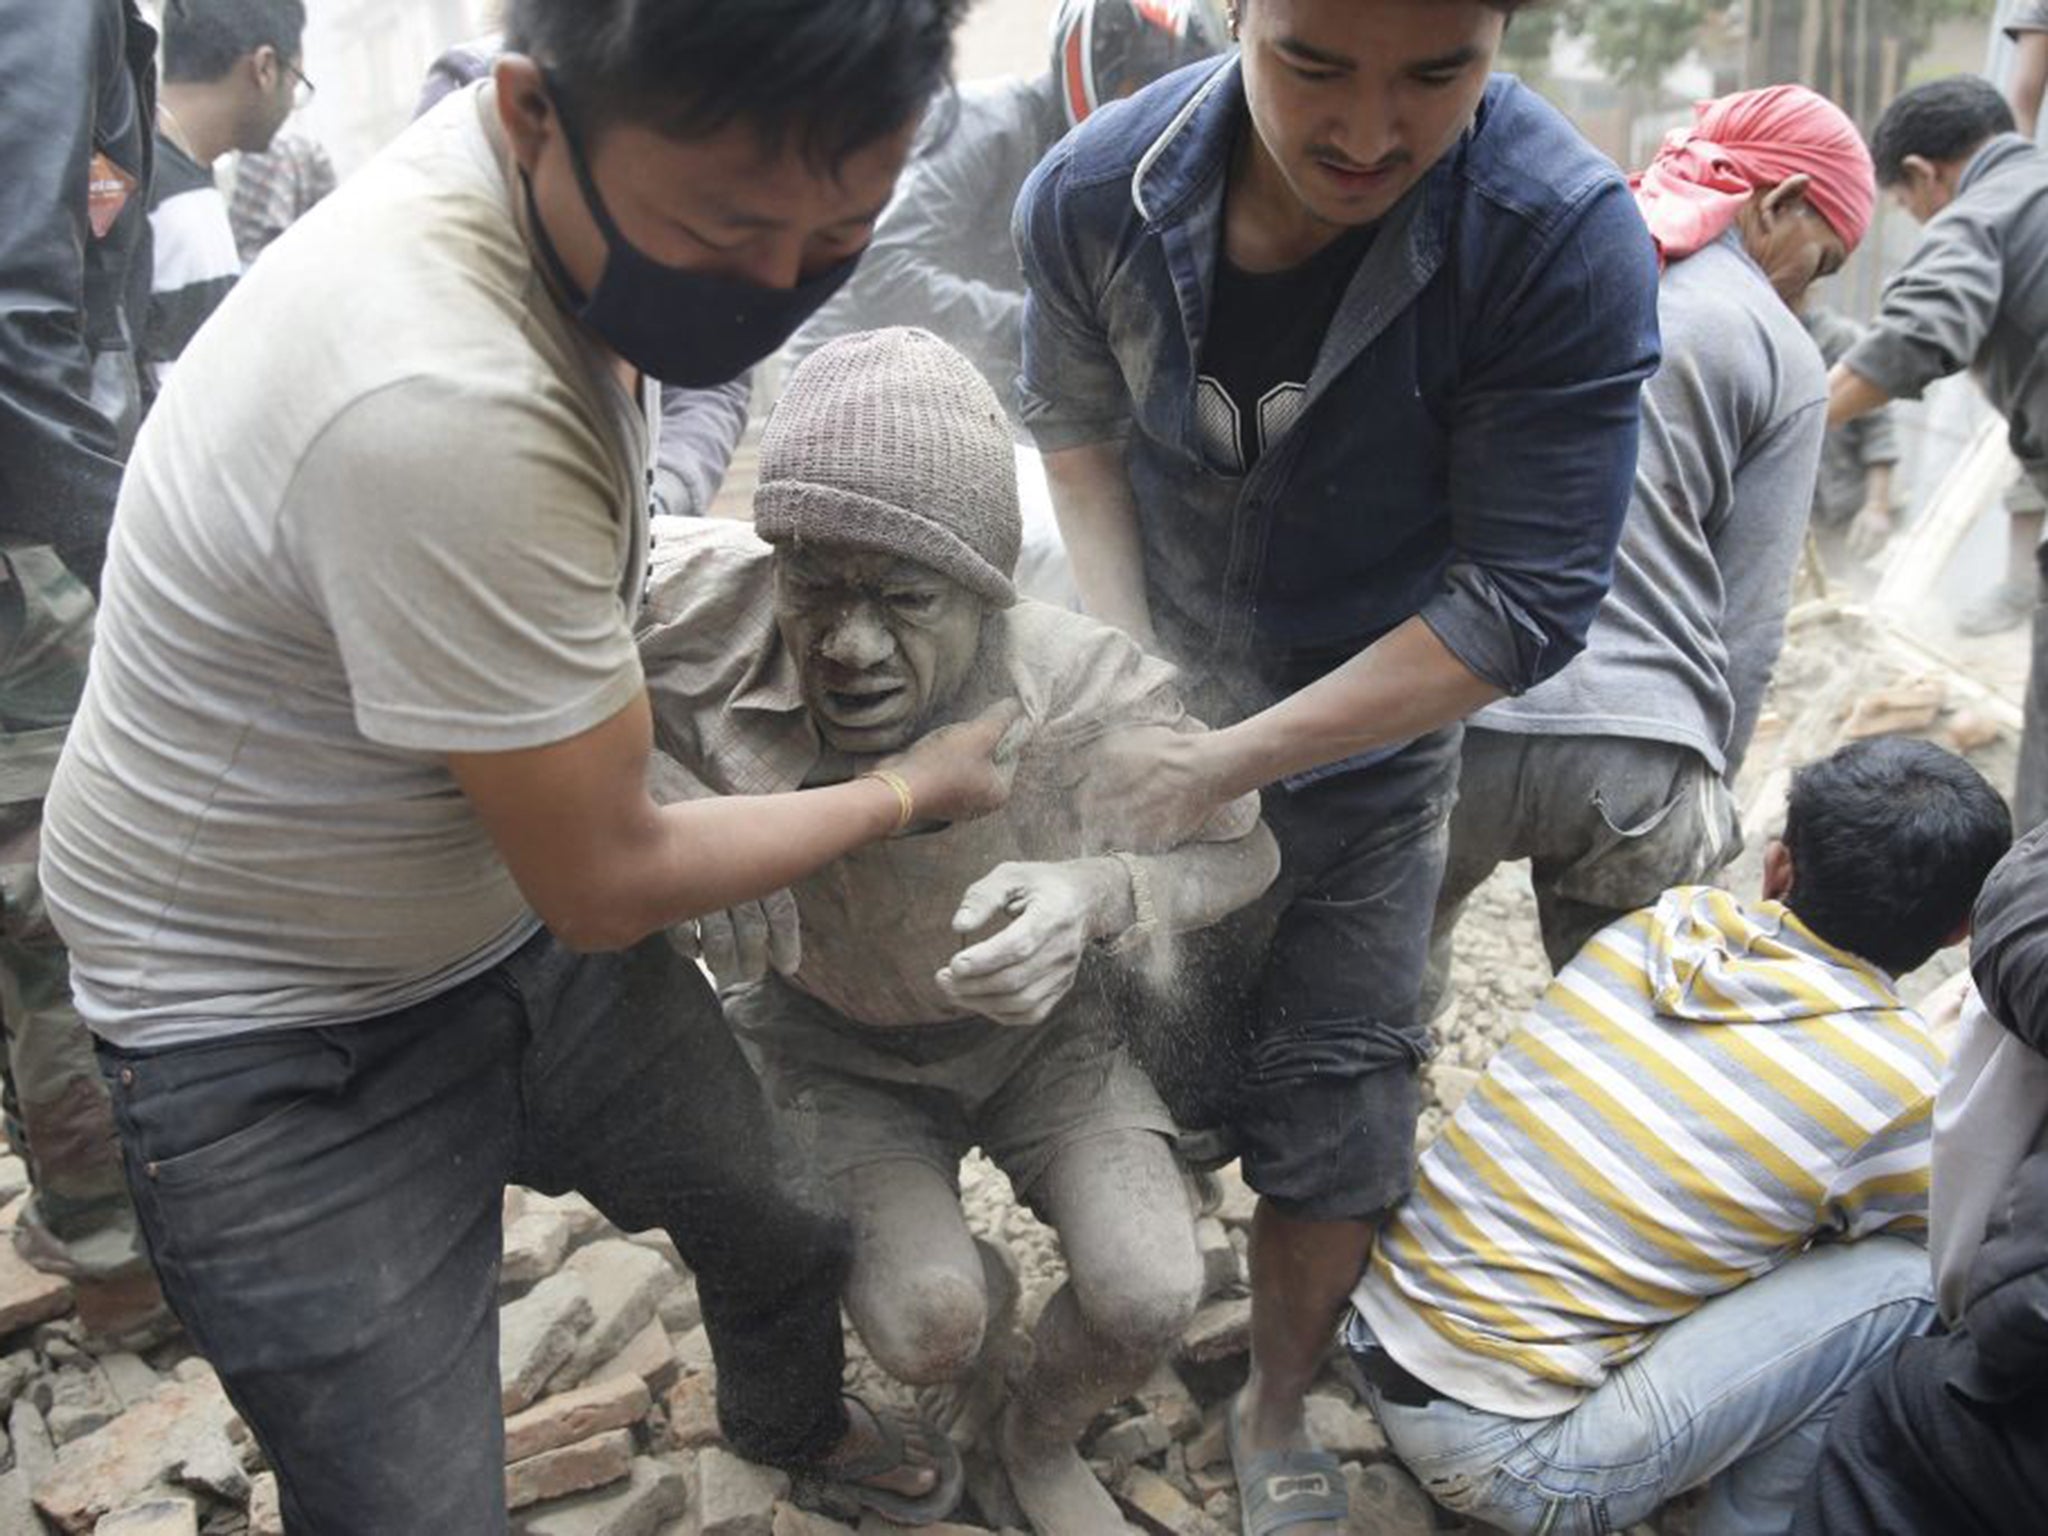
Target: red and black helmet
(1103,49)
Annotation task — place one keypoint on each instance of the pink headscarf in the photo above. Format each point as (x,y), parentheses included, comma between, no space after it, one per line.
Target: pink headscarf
(1704,174)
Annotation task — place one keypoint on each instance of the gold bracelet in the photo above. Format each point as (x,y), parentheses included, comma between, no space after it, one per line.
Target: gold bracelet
(906,806)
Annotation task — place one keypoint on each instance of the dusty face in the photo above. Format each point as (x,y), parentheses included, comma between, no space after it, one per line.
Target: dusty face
(725,205)
(1352,101)
(882,645)
(1786,236)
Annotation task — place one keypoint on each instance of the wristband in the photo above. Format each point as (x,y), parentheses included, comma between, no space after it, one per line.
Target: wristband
(906,804)
(1144,914)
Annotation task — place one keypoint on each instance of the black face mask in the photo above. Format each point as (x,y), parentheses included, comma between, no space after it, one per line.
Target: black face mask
(692,329)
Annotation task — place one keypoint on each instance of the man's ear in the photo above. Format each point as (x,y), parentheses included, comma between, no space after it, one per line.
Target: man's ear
(524,110)
(1774,202)
(265,68)
(1778,870)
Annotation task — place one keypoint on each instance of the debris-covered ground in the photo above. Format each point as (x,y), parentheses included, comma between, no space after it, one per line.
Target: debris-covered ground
(607,1372)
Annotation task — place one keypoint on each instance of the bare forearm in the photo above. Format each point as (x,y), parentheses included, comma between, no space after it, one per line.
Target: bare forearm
(713,853)
(1098,517)
(1851,395)
(1407,684)
(1877,488)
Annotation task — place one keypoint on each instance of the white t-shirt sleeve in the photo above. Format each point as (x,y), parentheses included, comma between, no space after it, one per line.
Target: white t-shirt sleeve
(466,548)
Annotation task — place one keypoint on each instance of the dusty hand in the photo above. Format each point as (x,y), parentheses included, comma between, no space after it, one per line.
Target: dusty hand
(1019,975)
(962,772)
(743,943)
(1869,532)
(1148,789)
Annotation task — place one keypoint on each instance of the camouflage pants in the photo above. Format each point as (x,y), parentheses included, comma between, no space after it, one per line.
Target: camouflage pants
(79,1220)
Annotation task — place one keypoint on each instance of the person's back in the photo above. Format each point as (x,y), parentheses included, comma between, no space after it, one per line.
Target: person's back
(1704,1090)
(1732,425)
(1662,1235)
(287,792)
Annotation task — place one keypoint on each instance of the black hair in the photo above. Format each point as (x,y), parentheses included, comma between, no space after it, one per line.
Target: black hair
(834,76)
(204,38)
(1891,840)
(1943,120)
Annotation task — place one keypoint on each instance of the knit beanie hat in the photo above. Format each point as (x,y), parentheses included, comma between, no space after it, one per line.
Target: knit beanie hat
(892,441)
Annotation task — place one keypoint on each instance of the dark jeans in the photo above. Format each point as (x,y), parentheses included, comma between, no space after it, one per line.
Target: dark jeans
(323,1207)
(1907,1453)
(1297,1022)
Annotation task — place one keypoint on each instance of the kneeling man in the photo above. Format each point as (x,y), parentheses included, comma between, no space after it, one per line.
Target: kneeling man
(944,989)
(1663,1235)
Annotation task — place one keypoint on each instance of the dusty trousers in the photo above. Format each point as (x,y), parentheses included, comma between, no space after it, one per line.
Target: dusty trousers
(324,1209)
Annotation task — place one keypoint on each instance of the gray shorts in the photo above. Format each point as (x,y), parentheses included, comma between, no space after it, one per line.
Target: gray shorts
(1608,824)
(853,1095)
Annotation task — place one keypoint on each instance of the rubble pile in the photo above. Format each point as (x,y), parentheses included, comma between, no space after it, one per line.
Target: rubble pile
(610,1428)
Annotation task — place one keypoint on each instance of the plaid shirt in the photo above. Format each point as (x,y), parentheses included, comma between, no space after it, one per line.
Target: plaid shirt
(273,190)
(729,708)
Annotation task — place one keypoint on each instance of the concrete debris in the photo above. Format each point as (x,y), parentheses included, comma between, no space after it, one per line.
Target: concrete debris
(266,1513)
(153,1517)
(653,1493)
(176,1439)
(735,1497)
(625,1283)
(616,1403)
(566,1469)
(28,1296)
(535,1245)
(538,1334)
(1220,1330)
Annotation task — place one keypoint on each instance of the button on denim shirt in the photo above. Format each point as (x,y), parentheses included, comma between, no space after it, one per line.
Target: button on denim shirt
(1469,436)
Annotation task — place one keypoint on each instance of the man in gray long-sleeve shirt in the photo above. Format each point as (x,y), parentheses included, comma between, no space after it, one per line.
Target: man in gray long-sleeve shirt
(1610,777)
(942,257)
(1974,294)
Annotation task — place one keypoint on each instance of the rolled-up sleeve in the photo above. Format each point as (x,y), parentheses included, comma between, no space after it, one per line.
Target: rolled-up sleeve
(1543,450)
(1936,311)
(1071,390)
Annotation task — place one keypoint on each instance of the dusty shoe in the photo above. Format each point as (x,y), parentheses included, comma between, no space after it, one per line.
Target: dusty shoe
(2005,606)
(127,1313)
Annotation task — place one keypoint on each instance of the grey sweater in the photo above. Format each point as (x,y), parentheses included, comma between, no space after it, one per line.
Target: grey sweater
(1684,645)
(942,256)
(1974,294)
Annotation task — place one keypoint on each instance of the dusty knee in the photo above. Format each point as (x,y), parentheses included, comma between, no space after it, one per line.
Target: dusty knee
(1141,1311)
(928,1327)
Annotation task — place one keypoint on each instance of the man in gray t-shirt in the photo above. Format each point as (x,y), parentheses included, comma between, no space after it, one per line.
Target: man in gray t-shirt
(352,845)
(1611,777)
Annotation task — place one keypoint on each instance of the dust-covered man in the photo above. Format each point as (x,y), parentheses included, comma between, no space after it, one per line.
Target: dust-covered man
(946,988)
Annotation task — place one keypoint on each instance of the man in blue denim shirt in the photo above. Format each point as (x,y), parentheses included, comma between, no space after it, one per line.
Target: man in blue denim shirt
(1350,547)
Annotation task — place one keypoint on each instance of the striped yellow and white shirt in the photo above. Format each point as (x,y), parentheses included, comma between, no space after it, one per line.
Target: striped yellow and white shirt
(1702,1092)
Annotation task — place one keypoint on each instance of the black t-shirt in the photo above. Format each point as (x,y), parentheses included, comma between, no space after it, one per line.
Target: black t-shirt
(1265,329)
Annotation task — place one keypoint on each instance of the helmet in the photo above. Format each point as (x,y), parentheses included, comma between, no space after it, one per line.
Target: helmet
(1103,49)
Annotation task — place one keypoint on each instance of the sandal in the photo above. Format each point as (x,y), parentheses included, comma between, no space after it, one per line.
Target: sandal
(849,1478)
(1282,1489)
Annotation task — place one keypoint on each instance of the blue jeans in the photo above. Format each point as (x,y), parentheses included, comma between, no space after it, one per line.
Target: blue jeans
(1736,1397)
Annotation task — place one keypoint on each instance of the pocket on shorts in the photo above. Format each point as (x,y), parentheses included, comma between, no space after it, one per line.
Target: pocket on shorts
(1641,850)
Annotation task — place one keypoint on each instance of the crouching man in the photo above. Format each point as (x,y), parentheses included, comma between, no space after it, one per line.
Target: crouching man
(1663,1235)
(945,989)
